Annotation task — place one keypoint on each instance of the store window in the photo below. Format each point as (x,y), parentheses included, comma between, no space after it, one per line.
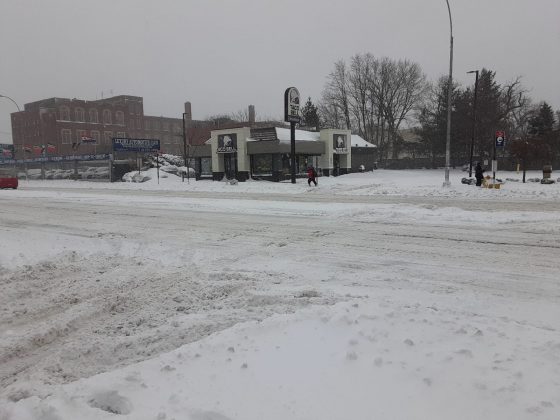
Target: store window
(262,165)
(206,166)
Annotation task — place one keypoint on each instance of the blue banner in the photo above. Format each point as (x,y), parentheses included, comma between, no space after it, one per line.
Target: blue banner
(135,145)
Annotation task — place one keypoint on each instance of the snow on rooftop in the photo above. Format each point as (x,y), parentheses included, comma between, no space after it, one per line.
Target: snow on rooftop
(283,134)
(357,141)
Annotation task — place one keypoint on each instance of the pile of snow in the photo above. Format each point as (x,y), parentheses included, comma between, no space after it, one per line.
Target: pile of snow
(409,183)
(136,176)
(312,303)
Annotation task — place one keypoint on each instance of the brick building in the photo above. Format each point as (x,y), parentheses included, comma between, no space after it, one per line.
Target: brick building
(62,123)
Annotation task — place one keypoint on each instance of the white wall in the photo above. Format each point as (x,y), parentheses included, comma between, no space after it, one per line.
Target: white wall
(326,160)
(243,161)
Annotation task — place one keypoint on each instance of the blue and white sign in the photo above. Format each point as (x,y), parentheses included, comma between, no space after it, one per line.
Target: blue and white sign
(135,145)
(500,138)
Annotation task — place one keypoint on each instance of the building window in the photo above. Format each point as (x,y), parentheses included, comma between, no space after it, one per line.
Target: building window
(108,137)
(121,134)
(80,134)
(177,138)
(79,114)
(131,124)
(119,118)
(96,136)
(66,136)
(166,139)
(93,117)
(107,116)
(64,113)
(165,126)
(146,124)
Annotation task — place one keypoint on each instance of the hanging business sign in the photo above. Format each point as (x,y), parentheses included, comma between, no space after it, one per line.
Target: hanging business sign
(500,138)
(227,143)
(291,105)
(135,145)
(340,143)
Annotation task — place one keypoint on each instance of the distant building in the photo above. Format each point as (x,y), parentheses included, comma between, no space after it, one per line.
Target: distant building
(77,126)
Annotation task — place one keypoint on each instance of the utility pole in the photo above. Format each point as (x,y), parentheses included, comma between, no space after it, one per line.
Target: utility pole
(22,139)
(473,120)
(184,147)
(449,91)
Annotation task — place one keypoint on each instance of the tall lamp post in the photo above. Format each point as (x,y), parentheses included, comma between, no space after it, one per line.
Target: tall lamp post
(449,91)
(19,110)
(185,149)
(473,119)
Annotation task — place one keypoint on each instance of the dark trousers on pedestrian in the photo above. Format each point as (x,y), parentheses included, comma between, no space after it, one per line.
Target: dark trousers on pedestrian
(309,180)
(478,182)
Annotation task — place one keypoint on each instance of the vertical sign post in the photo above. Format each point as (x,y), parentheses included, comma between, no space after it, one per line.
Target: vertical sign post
(157,165)
(499,141)
(291,115)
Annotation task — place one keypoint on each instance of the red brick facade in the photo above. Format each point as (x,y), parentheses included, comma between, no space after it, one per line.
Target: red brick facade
(62,122)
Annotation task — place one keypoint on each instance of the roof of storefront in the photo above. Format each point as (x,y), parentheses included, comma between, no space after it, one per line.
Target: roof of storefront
(357,141)
(282,135)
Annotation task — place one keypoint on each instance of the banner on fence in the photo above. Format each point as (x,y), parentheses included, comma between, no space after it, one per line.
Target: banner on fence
(135,145)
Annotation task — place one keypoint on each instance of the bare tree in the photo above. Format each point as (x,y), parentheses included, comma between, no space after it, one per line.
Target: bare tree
(407,87)
(360,79)
(373,97)
(335,100)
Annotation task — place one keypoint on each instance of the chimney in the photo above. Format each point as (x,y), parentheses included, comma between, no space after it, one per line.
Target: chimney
(188,112)
(251,114)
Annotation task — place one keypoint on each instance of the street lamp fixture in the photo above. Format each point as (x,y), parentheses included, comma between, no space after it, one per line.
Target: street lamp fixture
(473,119)
(449,90)
(15,103)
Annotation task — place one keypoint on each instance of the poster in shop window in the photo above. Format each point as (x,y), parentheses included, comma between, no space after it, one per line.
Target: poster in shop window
(227,143)
(339,143)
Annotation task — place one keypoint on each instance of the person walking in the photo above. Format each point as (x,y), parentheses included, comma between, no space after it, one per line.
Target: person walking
(478,174)
(311,175)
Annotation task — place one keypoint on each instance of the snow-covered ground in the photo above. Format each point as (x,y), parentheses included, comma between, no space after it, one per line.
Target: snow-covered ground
(374,295)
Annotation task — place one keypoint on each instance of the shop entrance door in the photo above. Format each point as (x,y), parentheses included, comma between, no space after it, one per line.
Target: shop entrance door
(230,165)
(336,164)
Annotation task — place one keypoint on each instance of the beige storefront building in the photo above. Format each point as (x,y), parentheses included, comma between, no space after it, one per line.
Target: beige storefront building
(264,153)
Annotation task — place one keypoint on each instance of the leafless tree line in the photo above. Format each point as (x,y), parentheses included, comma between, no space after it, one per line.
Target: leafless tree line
(373,97)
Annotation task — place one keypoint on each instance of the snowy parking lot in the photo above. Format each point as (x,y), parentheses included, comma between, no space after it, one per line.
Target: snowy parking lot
(374,295)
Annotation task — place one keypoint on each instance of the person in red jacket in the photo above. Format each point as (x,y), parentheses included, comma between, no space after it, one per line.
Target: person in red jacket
(311,174)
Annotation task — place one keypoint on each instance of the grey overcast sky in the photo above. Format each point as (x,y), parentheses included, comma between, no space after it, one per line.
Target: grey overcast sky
(223,55)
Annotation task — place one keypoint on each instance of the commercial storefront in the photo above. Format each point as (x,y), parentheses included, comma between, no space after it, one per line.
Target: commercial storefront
(264,153)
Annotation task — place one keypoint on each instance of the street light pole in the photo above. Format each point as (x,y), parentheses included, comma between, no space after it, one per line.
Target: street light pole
(184,145)
(23,152)
(473,119)
(449,90)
